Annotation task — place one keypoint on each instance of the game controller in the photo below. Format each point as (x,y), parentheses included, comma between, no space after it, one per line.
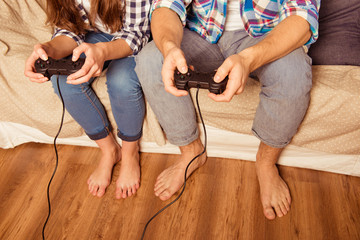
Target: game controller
(193,79)
(58,67)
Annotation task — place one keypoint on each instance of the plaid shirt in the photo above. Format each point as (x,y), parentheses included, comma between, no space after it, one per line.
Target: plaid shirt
(135,30)
(207,17)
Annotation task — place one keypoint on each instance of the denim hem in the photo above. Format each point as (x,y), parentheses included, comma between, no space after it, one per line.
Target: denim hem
(129,138)
(282,145)
(103,134)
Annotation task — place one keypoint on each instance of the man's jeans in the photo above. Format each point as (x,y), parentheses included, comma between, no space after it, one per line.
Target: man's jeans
(284,97)
(125,93)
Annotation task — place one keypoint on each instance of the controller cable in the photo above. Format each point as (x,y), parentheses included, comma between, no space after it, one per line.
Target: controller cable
(57,158)
(183,188)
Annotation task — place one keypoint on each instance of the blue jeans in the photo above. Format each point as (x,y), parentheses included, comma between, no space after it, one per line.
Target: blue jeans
(125,94)
(284,97)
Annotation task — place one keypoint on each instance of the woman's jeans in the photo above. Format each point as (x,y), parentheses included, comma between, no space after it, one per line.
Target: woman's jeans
(284,96)
(125,93)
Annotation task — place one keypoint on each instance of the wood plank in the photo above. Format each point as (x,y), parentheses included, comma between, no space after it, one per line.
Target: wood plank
(221,200)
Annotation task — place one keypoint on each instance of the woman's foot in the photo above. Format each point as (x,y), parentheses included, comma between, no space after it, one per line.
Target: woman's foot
(100,179)
(129,178)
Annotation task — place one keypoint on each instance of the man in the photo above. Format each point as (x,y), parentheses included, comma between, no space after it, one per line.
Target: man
(265,39)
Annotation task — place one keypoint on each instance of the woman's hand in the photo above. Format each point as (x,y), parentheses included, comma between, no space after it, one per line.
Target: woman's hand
(94,62)
(39,51)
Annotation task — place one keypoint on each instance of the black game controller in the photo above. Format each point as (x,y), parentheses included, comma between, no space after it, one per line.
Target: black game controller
(58,67)
(193,79)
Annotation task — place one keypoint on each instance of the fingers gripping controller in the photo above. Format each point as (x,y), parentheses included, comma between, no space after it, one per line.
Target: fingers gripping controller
(193,79)
(58,67)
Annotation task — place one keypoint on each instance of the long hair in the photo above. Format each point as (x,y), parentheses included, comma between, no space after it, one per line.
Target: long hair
(65,14)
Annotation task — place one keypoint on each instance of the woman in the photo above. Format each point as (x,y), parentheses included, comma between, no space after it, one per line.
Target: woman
(108,33)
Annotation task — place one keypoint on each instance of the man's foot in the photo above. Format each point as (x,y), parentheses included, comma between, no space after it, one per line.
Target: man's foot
(100,179)
(274,192)
(129,178)
(172,178)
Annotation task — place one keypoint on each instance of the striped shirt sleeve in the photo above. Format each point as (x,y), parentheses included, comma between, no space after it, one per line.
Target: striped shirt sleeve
(307,9)
(63,32)
(177,6)
(136,25)
(135,30)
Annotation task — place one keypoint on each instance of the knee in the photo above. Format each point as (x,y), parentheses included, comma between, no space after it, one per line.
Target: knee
(67,91)
(124,88)
(121,77)
(289,78)
(59,84)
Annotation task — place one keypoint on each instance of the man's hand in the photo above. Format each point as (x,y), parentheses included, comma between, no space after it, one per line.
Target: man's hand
(237,69)
(174,59)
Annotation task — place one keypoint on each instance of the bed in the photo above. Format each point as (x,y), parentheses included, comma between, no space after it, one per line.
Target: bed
(327,140)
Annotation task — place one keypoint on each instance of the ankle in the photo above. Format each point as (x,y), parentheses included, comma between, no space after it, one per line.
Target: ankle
(194,147)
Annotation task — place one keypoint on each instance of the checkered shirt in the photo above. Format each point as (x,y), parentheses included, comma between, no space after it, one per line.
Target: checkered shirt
(135,30)
(259,16)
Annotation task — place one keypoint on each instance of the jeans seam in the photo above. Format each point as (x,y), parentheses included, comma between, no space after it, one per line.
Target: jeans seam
(94,106)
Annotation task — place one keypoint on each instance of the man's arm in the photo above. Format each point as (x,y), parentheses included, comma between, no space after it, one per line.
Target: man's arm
(167,31)
(287,36)
(290,34)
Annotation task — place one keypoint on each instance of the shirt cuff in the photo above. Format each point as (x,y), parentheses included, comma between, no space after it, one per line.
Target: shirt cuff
(176,6)
(308,10)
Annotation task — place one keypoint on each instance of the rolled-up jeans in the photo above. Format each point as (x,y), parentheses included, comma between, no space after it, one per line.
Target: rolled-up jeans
(125,94)
(284,96)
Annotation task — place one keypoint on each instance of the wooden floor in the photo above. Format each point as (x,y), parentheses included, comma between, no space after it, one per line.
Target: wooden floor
(221,201)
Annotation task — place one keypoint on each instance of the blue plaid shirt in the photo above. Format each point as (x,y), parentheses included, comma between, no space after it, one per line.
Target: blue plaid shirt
(207,17)
(135,30)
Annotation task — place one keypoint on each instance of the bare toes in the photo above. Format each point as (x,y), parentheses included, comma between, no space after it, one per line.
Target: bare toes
(101,192)
(129,192)
(269,213)
(118,193)
(94,190)
(160,190)
(278,211)
(165,195)
(124,193)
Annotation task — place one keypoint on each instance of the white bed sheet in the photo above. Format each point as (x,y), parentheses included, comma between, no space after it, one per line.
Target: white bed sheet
(220,143)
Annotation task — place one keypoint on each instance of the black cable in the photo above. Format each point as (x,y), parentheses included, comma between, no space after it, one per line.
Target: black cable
(183,188)
(57,158)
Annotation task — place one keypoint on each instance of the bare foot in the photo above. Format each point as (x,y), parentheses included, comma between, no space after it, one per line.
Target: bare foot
(129,178)
(172,178)
(275,194)
(100,179)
